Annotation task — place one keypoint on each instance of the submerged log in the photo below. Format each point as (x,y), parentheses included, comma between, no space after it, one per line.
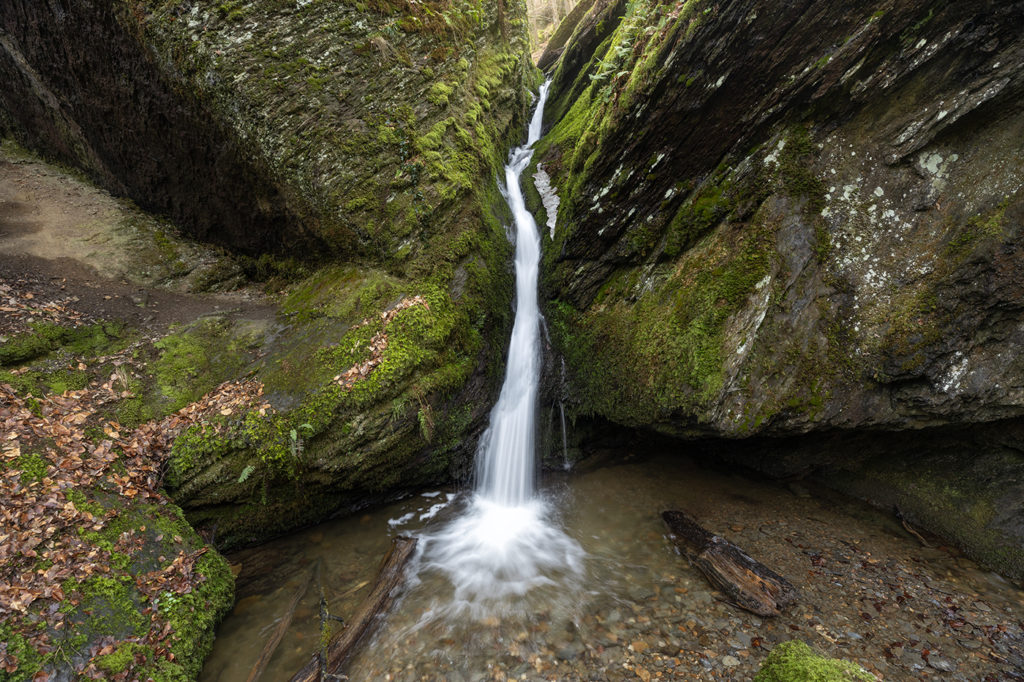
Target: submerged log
(275,639)
(750,584)
(343,644)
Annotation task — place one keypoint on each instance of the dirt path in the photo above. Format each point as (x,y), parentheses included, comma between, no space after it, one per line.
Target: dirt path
(67,243)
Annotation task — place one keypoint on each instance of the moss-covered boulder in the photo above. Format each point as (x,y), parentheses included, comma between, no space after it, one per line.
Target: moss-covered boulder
(102,576)
(347,152)
(776,221)
(794,661)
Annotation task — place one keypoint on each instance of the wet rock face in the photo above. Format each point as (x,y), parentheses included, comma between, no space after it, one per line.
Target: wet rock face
(789,218)
(306,128)
(779,220)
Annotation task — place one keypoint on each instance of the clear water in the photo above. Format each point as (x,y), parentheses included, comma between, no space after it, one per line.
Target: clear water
(846,560)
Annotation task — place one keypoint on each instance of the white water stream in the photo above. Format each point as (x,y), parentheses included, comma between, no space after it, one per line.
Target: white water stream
(506,543)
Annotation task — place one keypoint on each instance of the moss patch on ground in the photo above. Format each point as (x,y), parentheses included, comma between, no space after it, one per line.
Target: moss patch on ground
(45,337)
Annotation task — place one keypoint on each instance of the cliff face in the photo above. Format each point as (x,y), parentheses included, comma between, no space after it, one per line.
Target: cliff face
(359,141)
(782,219)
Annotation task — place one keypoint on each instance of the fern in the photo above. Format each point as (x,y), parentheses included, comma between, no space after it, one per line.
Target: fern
(246,473)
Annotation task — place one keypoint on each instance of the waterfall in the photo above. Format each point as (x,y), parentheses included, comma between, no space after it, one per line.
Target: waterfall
(505,458)
(505,544)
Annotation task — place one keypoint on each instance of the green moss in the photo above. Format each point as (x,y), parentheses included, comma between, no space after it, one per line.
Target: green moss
(43,381)
(623,67)
(195,615)
(794,661)
(196,359)
(27,661)
(978,229)
(111,606)
(33,467)
(83,503)
(123,657)
(45,337)
(23,383)
(419,337)
(439,93)
(67,380)
(636,362)
(695,217)
(653,342)
(796,170)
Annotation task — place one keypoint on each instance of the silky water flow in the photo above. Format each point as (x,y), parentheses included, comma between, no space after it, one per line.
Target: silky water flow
(506,542)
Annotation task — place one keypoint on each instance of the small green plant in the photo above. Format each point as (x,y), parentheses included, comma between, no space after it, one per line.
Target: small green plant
(33,467)
(246,473)
(295,445)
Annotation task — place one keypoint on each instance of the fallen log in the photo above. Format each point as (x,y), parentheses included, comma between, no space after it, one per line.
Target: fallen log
(343,643)
(275,639)
(750,584)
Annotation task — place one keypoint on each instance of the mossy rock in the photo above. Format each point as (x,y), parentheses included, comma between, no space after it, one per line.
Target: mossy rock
(110,607)
(794,661)
(46,337)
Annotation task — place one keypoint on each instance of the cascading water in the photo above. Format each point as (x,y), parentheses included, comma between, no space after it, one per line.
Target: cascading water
(505,461)
(505,544)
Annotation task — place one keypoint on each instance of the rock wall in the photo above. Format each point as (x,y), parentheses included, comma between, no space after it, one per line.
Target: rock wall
(81,86)
(783,219)
(353,149)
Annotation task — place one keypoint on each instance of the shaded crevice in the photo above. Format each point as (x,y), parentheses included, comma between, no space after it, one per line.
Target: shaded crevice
(83,90)
(965,484)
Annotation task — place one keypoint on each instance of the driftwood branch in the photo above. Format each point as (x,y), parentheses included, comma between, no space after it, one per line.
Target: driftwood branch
(750,584)
(343,644)
(909,528)
(271,646)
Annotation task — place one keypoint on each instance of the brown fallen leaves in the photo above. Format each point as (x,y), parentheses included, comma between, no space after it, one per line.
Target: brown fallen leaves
(378,344)
(44,535)
(20,307)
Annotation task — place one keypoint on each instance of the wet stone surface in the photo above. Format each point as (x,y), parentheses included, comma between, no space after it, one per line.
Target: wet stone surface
(869,593)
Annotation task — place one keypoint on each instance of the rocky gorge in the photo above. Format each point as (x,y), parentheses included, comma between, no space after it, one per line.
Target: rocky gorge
(785,240)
